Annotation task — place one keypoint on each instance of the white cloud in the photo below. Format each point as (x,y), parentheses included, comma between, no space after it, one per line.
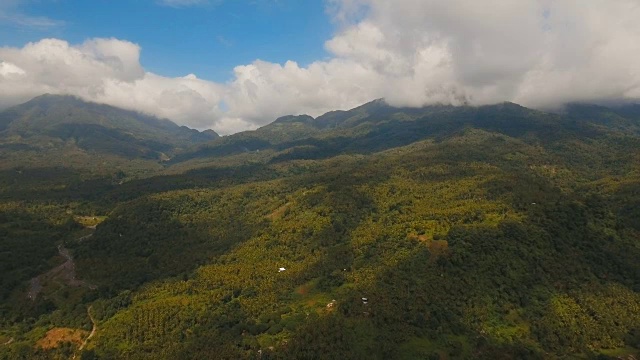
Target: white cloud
(23,20)
(540,53)
(10,14)
(10,70)
(106,71)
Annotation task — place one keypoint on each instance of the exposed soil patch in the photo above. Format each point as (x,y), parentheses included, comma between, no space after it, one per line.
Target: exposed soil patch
(279,212)
(302,290)
(57,336)
(90,221)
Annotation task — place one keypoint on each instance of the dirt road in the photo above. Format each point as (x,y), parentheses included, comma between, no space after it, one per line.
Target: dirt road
(93,332)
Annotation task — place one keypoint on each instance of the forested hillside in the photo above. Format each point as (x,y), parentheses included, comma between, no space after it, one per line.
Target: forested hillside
(66,132)
(435,233)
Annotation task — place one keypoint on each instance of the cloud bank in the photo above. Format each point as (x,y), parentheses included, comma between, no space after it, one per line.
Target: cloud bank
(539,53)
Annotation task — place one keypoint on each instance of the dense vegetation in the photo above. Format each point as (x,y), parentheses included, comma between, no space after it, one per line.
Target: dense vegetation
(436,233)
(65,132)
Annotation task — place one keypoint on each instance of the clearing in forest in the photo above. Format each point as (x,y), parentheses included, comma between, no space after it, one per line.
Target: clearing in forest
(57,336)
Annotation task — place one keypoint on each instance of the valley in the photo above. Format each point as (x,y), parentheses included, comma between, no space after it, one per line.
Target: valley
(66,273)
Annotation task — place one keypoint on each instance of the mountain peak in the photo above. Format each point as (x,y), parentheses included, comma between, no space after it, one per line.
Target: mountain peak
(375,105)
(294,118)
(53,99)
(97,127)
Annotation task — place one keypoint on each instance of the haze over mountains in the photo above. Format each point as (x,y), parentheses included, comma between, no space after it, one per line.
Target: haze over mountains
(437,232)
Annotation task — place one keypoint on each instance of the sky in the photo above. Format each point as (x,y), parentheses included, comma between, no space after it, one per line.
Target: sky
(234,65)
(179,37)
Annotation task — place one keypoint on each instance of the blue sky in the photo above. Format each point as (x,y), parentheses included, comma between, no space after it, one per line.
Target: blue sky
(208,38)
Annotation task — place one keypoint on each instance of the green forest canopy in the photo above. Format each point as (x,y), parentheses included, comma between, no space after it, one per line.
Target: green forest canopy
(498,232)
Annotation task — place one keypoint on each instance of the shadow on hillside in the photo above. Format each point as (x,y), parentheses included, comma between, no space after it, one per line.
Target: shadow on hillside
(218,177)
(629,197)
(51,184)
(28,248)
(489,297)
(145,241)
(27,244)
(93,137)
(67,184)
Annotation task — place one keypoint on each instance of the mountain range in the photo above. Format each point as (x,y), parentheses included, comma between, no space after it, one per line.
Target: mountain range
(442,232)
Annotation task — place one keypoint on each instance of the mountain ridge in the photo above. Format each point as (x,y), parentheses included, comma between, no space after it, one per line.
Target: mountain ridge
(374,124)
(64,124)
(52,103)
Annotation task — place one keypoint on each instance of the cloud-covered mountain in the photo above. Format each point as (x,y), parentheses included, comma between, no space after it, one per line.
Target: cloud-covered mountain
(538,53)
